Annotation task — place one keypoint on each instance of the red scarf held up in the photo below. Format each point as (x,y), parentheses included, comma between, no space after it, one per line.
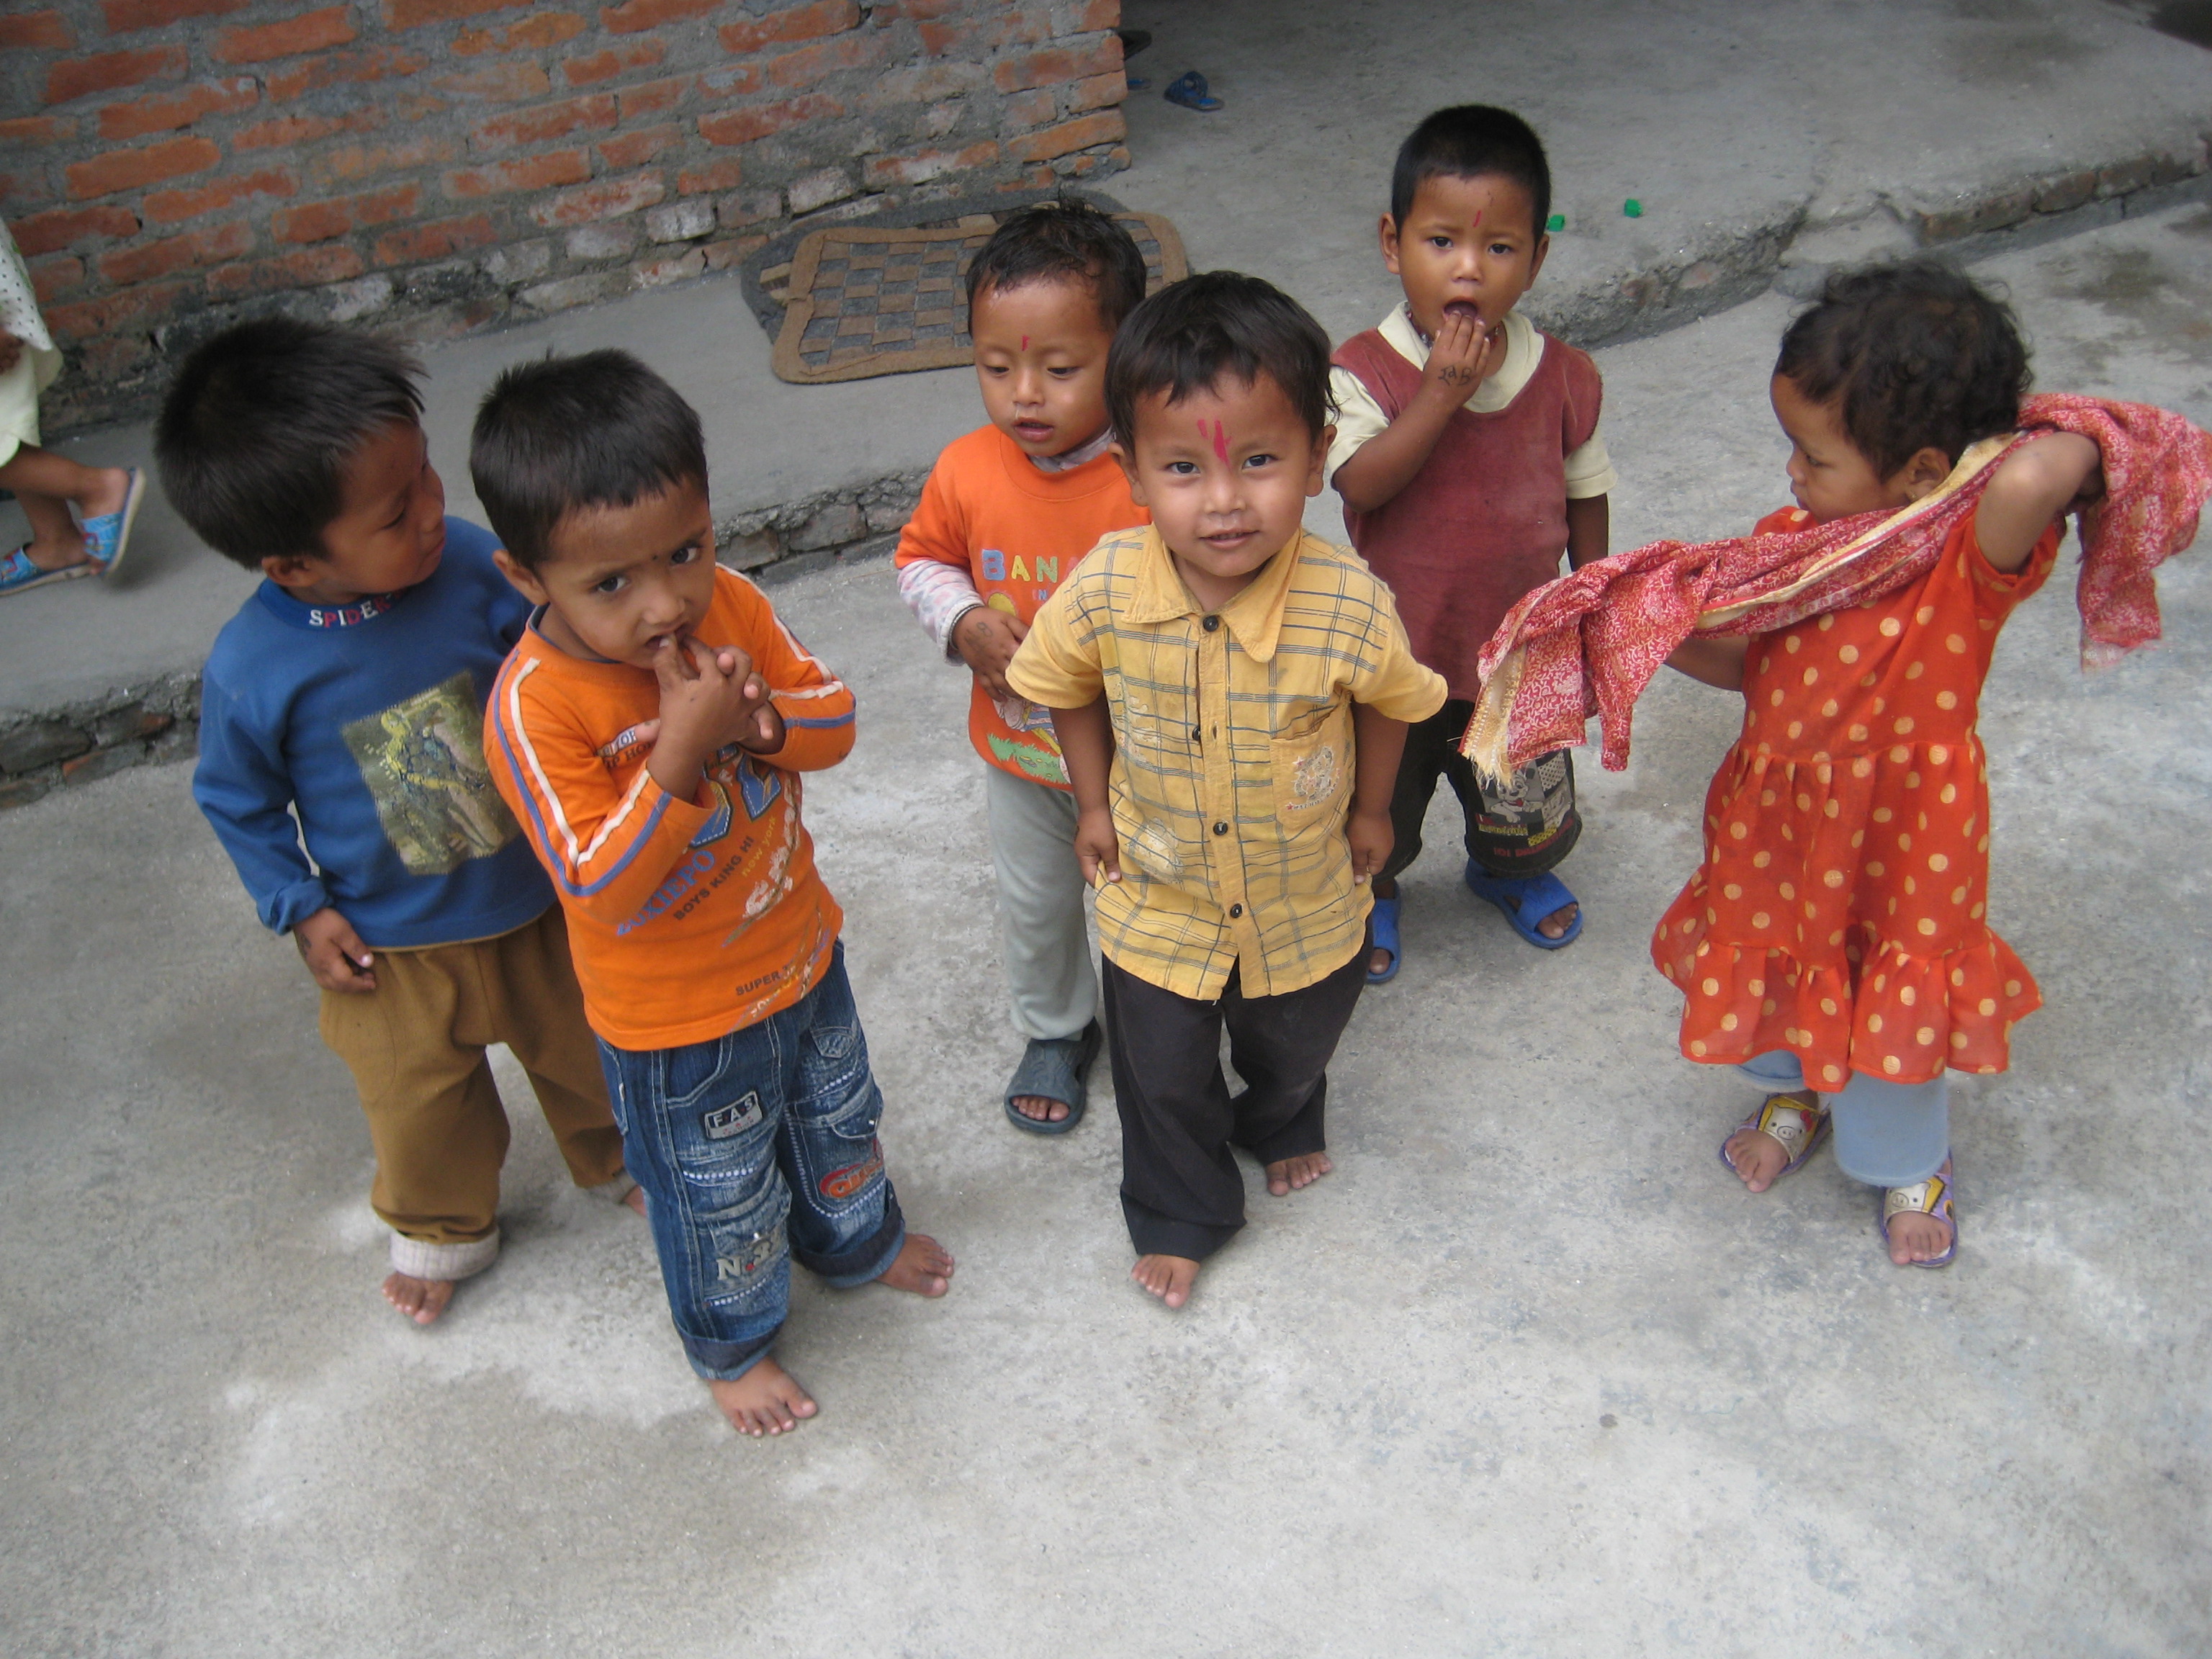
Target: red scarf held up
(1589,642)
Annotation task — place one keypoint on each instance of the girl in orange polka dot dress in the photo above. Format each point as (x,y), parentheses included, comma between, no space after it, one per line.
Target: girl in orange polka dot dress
(1835,942)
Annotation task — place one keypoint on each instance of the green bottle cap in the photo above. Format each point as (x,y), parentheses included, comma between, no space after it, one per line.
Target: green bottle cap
(1632,208)
(1556,221)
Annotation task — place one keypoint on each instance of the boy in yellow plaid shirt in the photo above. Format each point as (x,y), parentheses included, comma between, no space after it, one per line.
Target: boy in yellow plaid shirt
(1231,696)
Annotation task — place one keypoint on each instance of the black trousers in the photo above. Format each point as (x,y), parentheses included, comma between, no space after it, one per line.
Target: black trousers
(1523,829)
(1182,1193)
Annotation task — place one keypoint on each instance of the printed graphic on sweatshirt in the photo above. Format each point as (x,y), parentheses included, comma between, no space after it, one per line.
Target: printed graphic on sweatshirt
(422,759)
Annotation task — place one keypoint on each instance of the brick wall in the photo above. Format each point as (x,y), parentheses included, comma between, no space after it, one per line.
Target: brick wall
(437,166)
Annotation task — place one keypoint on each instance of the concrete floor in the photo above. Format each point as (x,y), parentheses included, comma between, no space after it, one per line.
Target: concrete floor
(1734,126)
(1530,1375)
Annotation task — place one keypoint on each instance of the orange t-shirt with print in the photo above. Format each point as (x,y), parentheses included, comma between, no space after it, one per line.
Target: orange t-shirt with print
(1017,531)
(1841,911)
(689,918)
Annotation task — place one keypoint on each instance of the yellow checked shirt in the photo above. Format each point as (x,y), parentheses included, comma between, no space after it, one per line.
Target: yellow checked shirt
(1233,753)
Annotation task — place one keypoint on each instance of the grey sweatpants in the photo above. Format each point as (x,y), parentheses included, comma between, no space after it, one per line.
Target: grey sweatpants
(1041,916)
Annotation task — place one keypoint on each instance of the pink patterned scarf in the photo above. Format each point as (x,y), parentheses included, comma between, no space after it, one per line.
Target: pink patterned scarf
(1589,642)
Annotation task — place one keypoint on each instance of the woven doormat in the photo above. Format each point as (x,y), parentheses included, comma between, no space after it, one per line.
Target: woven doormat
(862,299)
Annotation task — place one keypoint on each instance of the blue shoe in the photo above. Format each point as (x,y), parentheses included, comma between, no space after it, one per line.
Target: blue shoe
(1188,89)
(1384,920)
(1526,901)
(107,535)
(19,575)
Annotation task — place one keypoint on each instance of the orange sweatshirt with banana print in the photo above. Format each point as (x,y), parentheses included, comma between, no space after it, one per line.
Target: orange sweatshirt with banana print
(689,918)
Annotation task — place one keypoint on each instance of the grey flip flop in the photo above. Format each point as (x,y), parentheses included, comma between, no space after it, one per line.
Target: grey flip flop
(1056,1069)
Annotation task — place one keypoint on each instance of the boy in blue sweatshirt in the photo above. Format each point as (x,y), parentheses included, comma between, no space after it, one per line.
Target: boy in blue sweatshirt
(342,707)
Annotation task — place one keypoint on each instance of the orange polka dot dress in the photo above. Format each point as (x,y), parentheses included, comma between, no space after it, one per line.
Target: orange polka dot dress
(1841,910)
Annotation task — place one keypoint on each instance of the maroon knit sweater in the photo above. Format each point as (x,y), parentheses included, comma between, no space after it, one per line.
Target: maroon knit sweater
(1485,519)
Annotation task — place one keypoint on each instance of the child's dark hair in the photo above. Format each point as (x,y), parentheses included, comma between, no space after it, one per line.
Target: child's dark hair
(1915,355)
(1188,337)
(255,430)
(1057,240)
(563,433)
(1469,141)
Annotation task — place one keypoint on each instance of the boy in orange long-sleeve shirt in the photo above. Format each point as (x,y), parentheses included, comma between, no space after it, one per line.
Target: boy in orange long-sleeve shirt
(1009,512)
(649,731)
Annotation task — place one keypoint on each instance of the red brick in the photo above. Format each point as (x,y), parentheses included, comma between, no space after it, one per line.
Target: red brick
(144,261)
(53,278)
(302,129)
(1031,109)
(129,169)
(602,198)
(705,181)
(501,83)
(1086,16)
(60,228)
(809,64)
(165,110)
(635,149)
(359,160)
(37,129)
(922,165)
(1099,92)
(168,207)
(561,167)
(939,38)
(651,97)
(312,31)
(731,81)
(37,29)
(306,268)
(595,67)
(1103,128)
(81,319)
(329,69)
(438,240)
(743,126)
(799,23)
(539,34)
(636,16)
(412,14)
(1054,64)
(73,77)
(311,221)
(544,123)
(122,16)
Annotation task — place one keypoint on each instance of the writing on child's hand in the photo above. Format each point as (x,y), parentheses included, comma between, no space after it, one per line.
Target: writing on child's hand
(987,640)
(334,953)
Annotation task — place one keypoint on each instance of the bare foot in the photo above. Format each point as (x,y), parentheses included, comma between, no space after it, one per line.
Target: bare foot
(764,1401)
(1757,1157)
(1918,1238)
(1167,1277)
(420,1300)
(635,1198)
(1043,1109)
(1286,1174)
(922,1267)
(1555,925)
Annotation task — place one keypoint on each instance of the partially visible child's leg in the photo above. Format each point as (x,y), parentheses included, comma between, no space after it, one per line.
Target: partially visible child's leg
(1431,744)
(1041,935)
(1281,1046)
(415,1045)
(1765,1144)
(1897,1136)
(1182,1193)
(540,1015)
(1521,832)
(46,483)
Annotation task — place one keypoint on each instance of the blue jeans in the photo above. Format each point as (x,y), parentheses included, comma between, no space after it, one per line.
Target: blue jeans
(753,1148)
(1886,1134)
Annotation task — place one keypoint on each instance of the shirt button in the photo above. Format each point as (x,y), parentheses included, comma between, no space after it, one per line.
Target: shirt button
(1220,829)
(1194,734)
(1211,623)
(1235,911)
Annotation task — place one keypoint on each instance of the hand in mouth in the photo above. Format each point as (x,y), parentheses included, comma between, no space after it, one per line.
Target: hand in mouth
(1466,308)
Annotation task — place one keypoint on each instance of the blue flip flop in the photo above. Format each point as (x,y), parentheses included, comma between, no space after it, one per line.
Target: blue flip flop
(1384,920)
(18,574)
(1189,90)
(1526,901)
(107,537)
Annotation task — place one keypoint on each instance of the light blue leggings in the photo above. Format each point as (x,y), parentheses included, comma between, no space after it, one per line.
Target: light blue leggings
(1886,1134)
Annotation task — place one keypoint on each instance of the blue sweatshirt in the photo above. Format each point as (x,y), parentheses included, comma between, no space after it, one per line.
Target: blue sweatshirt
(368,722)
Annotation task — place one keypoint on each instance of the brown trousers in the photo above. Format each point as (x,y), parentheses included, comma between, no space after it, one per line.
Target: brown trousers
(416,1046)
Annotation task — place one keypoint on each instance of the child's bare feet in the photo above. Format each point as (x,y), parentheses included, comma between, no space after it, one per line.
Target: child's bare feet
(764,1401)
(1040,1108)
(1757,1157)
(922,1267)
(1167,1277)
(1287,1173)
(420,1300)
(1918,1238)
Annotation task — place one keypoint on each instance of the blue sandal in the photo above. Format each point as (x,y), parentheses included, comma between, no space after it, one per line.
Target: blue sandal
(1526,901)
(1384,922)
(1188,89)
(19,575)
(1054,1068)
(106,537)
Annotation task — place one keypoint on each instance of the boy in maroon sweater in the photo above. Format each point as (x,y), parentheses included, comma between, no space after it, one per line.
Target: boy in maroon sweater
(1468,457)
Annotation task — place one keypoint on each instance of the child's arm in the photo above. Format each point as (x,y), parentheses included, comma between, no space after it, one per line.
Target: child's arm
(1466,354)
(937,585)
(2033,485)
(809,713)
(1715,661)
(1378,744)
(1589,529)
(1086,744)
